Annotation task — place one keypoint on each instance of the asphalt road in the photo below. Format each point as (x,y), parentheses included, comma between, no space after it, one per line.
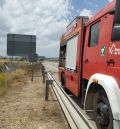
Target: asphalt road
(53,68)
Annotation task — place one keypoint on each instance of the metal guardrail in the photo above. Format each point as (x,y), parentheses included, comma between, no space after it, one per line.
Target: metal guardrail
(74,115)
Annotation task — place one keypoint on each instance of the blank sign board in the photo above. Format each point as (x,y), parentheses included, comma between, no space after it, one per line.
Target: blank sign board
(21,45)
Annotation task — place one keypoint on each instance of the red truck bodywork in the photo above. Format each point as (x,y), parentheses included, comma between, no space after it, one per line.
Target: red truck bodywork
(91,60)
(95,75)
(73,78)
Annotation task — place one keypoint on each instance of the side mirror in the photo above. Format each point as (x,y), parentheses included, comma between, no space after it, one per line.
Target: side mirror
(116,33)
(117,12)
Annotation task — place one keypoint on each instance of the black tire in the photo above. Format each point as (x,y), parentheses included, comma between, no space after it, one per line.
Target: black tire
(103,114)
(63,81)
(63,84)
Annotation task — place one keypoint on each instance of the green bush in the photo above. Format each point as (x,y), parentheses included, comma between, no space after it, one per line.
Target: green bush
(3,79)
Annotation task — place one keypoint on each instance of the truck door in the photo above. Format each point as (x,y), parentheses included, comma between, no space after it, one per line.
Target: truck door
(113,60)
(96,43)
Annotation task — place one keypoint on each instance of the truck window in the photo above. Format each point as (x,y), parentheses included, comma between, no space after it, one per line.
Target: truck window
(116,33)
(94,34)
(62,57)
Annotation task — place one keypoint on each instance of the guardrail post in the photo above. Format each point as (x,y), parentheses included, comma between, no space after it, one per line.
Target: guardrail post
(44,75)
(48,83)
(42,69)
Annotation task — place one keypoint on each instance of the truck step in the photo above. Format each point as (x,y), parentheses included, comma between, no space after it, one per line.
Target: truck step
(90,111)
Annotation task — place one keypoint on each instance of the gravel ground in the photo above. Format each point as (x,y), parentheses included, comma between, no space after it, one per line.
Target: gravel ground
(23,107)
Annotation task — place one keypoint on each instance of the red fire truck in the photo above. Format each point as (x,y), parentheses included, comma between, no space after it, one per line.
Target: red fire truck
(89,64)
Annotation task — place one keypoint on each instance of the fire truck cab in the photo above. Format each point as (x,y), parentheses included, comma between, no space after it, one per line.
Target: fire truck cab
(89,64)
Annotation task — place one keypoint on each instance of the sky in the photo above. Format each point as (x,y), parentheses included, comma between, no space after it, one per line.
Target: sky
(47,19)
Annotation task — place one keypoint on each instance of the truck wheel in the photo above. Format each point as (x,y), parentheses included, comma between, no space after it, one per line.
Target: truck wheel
(103,113)
(63,83)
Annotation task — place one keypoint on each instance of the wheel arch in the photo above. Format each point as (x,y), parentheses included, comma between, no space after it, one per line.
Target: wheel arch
(111,88)
(93,89)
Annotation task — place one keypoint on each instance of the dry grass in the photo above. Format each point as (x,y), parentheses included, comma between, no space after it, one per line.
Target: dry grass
(2,61)
(51,110)
(15,78)
(18,75)
(11,79)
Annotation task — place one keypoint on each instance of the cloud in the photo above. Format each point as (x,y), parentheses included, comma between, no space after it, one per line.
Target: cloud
(46,19)
(110,0)
(86,12)
(2,2)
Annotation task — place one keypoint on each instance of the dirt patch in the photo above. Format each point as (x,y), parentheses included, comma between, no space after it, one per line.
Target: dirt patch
(23,107)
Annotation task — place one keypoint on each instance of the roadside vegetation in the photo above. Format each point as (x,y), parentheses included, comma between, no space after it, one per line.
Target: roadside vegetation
(3,79)
(16,76)
(7,80)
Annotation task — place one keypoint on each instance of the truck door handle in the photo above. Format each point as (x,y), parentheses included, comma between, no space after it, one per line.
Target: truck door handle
(110,61)
(86,60)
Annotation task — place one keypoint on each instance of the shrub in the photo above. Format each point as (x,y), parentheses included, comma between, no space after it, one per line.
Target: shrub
(3,79)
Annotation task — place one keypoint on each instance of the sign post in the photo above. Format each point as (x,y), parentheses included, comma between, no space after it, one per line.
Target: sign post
(33,58)
(32,72)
